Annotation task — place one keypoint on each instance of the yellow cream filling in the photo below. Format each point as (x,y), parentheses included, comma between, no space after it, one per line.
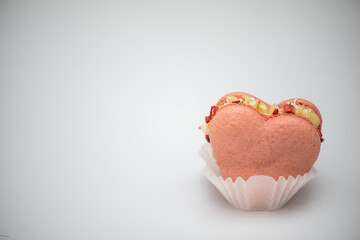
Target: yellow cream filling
(231,99)
(307,113)
(206,128)
(300,110)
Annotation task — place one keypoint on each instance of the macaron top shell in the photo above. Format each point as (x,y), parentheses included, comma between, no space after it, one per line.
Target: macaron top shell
(245,143)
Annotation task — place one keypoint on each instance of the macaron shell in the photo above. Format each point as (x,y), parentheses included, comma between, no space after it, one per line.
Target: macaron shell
(294,144)
(246,143)
(239,142)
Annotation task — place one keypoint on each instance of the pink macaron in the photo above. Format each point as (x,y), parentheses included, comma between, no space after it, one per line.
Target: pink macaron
(249,137)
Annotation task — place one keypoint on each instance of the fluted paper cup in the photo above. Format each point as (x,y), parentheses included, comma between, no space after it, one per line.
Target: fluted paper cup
(258,192)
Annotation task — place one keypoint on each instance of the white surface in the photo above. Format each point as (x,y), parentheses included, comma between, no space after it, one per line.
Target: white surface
(100,103)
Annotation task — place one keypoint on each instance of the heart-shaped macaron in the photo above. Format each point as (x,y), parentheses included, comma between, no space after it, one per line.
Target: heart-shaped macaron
(249,137)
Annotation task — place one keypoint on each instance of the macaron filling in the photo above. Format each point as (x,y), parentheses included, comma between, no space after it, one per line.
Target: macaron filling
(290,107)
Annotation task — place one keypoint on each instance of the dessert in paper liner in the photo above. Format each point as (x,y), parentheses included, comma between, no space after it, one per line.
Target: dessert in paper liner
(258,192)
(264,153)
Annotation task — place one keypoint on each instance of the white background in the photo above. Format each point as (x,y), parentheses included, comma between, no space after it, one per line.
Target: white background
(100,104)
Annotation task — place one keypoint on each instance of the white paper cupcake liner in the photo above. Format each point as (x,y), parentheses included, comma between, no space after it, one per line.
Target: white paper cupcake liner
(258,192)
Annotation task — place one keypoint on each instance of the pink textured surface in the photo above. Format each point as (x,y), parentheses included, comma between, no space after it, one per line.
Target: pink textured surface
(246,143)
